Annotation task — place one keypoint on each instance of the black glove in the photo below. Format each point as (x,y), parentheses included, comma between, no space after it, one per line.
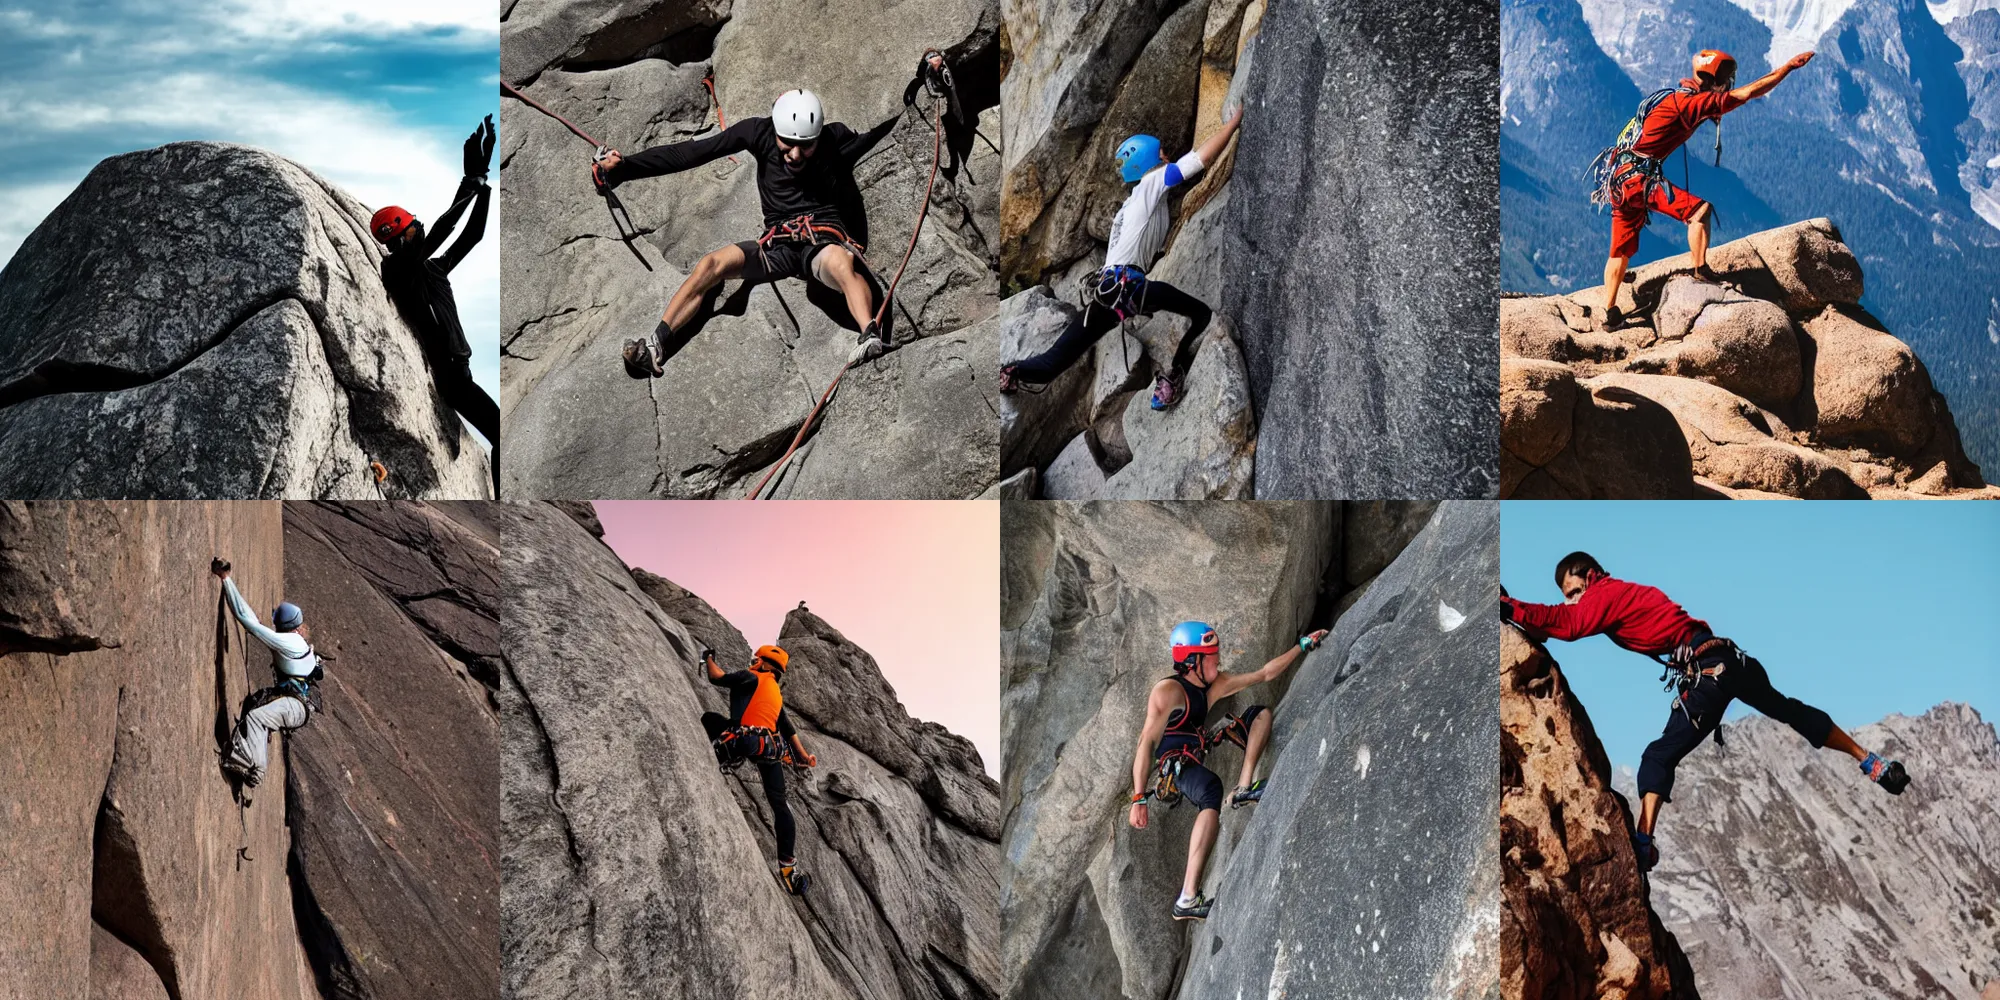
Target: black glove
(479,149)
(218,566)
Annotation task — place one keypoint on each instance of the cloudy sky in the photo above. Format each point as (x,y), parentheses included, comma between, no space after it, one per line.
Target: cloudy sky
(374,95)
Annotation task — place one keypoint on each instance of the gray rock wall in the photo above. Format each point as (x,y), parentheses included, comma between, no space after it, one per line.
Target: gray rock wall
(204,320)
(733,398)
(634,868)
(1089,593)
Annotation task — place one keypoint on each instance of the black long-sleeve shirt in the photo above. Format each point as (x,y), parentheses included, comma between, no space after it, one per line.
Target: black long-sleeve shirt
(823,186)
(420,285)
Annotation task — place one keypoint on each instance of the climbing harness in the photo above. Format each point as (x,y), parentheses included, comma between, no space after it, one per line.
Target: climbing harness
(1615,164)
(888,297)
(810,231)
(1120,289)
(1681,670)
(1167,774)
(620,218)
(742,744)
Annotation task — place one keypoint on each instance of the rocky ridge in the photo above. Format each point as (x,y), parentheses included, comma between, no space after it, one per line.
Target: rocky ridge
(634,868)
(1775,384)
(158,339)
(917,421)
(1326,367)
(1575,921)
(1089,591)
(1785,874)
(365,866)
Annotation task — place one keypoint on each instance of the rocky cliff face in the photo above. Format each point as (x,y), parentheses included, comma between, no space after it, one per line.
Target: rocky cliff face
(1089,593)
(361,870)
(203,320)
(634,868)
(919,420)
(1785,874)
(1576,921)
(1775,384)
(1327,370)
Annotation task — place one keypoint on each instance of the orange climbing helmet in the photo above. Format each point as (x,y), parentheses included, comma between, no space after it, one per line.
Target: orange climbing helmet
(774,654)
(1715,66)
(390,222)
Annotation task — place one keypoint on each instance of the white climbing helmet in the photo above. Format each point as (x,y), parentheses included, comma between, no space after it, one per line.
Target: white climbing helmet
(797,116)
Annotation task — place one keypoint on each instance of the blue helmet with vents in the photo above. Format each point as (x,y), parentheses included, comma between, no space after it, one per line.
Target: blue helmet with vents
(1194,637)
(1138,155)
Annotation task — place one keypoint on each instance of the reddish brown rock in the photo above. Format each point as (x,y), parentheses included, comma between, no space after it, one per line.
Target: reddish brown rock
(1574,918)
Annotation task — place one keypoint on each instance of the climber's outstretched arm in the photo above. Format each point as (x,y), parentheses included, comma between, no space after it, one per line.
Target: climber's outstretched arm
(1228,684)
(1763,84)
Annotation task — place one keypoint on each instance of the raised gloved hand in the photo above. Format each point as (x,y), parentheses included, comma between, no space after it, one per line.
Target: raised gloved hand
(479,149)
(220,567)
(602,163)
(1308,643)
(707,656)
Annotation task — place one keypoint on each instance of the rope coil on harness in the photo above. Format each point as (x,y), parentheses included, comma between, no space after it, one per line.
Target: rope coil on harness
(888,296)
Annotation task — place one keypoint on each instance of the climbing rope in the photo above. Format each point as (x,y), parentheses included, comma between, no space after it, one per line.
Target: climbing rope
(888,296)
(620,218)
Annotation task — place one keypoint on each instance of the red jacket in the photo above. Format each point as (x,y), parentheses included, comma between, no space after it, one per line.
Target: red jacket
(1635,616)
(1676,117)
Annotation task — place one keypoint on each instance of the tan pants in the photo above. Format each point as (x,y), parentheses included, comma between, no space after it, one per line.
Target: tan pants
(250,746)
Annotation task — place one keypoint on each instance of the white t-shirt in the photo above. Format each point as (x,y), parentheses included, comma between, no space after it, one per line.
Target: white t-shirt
(1140,228)
(291,654)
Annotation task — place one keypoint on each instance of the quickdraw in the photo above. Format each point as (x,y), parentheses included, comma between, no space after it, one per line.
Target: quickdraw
(1121,289)
(620,218)
(1681,670)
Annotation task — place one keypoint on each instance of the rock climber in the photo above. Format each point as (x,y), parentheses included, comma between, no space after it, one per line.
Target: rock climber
(1120,289)
(283,706)
(1631,175)
(1708,673)
(420,286)
(805,172)
(1172,743)
(757,730)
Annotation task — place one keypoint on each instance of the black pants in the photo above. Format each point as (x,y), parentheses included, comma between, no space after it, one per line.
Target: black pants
(1152,296)
(773,772)
(1698,710)
(454,383)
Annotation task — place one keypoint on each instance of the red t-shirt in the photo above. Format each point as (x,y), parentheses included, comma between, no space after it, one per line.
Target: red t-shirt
(1676,117)
(1635,616)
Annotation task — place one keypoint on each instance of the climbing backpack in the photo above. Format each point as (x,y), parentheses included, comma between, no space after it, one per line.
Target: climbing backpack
(1612,164)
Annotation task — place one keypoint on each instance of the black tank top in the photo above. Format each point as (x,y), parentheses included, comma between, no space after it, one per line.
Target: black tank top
(1184,724)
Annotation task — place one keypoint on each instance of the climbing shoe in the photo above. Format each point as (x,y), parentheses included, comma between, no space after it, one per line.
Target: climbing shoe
(1706,273)
(1887,773)
(1614,318)
(639,360)
(1243,796)
(794,881)
(1166,390)
(870,345)
(1194,910)
(1646,851)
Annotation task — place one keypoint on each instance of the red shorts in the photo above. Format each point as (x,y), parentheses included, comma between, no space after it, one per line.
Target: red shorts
(1630,214)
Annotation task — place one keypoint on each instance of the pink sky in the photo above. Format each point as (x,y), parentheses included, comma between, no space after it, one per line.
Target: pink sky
(916,583)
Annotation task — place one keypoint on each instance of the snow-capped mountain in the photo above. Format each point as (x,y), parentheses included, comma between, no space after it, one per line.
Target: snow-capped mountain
(1893,131)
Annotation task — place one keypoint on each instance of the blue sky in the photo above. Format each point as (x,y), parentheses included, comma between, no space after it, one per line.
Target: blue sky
(376,96)
(1862,608)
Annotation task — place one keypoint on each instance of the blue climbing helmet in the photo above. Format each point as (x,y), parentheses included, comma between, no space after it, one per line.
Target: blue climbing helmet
(1191,638)
(287,616)
(1138,155)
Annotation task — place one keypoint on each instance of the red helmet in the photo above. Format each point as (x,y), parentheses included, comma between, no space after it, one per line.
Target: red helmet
(1714,65)
(390,223)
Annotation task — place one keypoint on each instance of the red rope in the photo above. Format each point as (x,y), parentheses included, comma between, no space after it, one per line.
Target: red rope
(708,80)
(531,102)
(937,153)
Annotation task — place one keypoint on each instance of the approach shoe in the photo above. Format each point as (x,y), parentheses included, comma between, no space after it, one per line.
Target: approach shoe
(639,360)
(870,345)
(1646,851)
(794,881)
(1245,795)
(1197,910)
(1166,391)
(1887,773)
(1614,318)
